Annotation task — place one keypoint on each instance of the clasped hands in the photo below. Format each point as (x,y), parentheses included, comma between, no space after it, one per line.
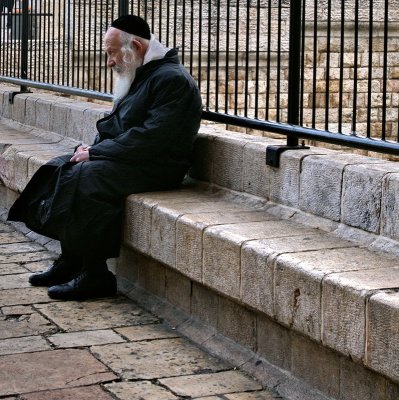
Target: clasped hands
(81,154)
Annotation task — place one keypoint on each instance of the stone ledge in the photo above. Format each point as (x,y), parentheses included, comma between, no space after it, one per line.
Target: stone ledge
(304,278)
(258,236)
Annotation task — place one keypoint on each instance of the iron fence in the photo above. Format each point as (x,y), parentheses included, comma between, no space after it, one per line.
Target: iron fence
(325,70)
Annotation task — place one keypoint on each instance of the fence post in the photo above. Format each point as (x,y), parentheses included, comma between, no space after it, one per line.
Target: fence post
(294,71)
(24,42)
(123,7)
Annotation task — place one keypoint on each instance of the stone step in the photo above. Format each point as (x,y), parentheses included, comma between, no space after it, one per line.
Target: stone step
(336,292)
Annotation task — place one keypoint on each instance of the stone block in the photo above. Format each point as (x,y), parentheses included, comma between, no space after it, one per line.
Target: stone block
(76,121)
(89,130)
(190,228)
(298,279)
(258,259)
(178,290)
(274,342)
(222,250)
(30,110)
(382,352)
(256,175)
(228,162)
(163,235)
(344,303)
(244,332)
(257,275)
(152,276)
(43,113)
(128,264)
(18,108)
(6,107)
(307,359)
(202,168)
(59,117)
(362,194)
(321,183)
(137,227)
(284,181)
(358,382)
(390,207)
(204,304)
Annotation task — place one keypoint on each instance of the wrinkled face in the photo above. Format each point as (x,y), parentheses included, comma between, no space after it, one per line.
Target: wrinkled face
(113,49)
(123,58)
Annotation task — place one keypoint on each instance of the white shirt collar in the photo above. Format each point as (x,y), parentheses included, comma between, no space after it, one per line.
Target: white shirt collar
(156,50)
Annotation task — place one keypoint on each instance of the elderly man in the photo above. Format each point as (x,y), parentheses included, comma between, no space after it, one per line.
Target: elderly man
(145,144)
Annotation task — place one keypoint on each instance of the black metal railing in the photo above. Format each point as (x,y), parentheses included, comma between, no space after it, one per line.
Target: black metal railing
(320,70)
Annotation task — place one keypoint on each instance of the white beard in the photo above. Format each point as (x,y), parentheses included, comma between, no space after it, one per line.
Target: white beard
(122,85)
(125,76)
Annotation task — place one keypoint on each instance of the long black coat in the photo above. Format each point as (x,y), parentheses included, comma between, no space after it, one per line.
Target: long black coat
(145,144)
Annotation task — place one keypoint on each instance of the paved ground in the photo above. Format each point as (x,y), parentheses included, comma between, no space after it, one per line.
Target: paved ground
(96,350)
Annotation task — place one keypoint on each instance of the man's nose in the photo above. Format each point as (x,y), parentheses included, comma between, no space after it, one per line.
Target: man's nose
(110,62)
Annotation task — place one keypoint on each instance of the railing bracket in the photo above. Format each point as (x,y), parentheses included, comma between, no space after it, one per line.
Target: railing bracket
(273,153)
(13,94)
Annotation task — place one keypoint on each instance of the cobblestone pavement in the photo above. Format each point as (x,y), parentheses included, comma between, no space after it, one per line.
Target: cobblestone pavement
(96,350)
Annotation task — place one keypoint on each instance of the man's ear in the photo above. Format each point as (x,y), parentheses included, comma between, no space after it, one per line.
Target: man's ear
(140,48)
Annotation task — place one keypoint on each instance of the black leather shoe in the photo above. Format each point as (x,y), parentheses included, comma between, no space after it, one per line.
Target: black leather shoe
(86,286)
(59,272)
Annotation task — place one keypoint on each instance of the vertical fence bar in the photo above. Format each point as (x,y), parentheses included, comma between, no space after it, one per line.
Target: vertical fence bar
(269,40)
(314,89)
(294,72)
(302,90)
(24,42)
(355,67)
(328,55)
(370,70)
(278,94)
(341,67)
(226,89)
(123,7)
(385,74)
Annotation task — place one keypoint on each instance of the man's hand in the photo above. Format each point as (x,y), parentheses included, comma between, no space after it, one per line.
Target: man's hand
(81,154)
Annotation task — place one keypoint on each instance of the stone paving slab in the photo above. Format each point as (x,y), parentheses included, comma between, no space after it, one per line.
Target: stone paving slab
(11,268)
(25,344)
(15,248)
(219,383)
(12,297)
(6,227)
(54,369)
(15,281)
(25,257)
(140,390)
(85,338)
(19,323)
(98,314)
(107,349)
(157,359)
(80,393)
(147,332)
(38,266)
(12,237)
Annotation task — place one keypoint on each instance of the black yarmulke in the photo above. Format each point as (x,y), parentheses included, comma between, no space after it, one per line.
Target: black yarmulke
(134,25)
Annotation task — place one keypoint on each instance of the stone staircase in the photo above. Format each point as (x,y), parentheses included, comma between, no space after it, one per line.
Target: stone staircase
(295,266)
